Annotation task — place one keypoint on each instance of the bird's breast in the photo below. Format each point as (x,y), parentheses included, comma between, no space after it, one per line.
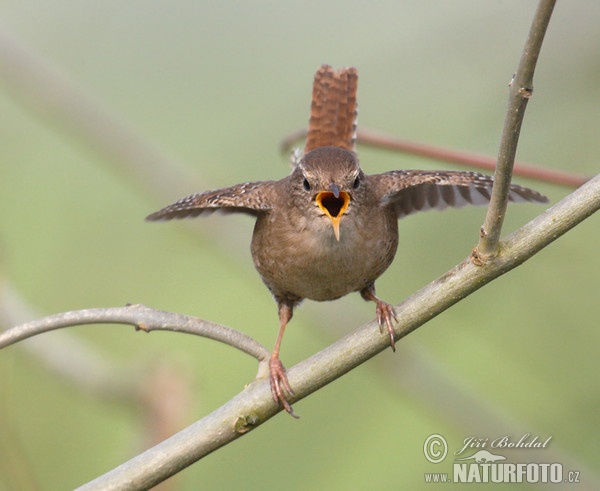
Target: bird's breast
(301,258)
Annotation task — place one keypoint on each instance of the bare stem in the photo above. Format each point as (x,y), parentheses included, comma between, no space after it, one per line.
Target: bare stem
(521,90)
(377,139)
(531,171)
(253,406)
(145,319)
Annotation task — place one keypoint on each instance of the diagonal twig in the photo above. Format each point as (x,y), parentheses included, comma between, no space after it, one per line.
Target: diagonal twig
(378,139)
(469,159)
(521,90)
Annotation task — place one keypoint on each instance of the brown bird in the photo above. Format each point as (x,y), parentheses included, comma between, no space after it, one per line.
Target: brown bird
(329,229)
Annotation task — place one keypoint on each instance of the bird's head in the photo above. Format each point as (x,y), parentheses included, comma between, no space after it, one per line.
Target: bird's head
(329,179)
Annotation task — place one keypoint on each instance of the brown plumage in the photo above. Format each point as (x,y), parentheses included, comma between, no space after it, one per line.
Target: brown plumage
(333,109)
(329,229)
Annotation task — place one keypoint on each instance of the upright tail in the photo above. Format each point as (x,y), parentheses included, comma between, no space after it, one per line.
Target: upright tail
(333,109)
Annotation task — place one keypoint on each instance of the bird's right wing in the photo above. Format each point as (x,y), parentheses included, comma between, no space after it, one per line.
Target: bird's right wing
(249,197)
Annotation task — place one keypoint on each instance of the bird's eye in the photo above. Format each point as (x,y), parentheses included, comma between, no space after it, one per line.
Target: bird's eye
(356,183)
(306,184)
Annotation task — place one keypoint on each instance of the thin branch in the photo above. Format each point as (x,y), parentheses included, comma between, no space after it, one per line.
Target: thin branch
(521,90)
(66,355)
(253,406)
(377,139)
(145,319)
(531,171)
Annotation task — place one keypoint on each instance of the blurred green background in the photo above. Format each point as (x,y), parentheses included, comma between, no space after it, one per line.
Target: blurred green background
(215,86)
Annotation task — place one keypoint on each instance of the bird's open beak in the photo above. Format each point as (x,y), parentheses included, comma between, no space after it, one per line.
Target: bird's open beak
(334,204)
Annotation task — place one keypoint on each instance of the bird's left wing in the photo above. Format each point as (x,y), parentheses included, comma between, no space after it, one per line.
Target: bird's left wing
(249,197)
(409,191)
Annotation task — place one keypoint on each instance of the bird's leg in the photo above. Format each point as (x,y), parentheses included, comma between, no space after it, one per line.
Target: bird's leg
(279,381)
(385,312)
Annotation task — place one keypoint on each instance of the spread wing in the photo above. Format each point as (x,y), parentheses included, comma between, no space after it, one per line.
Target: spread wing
(409,191)
(249,197)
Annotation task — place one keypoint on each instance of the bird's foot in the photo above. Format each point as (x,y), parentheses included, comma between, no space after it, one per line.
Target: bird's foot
(280,385)
(386,315)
